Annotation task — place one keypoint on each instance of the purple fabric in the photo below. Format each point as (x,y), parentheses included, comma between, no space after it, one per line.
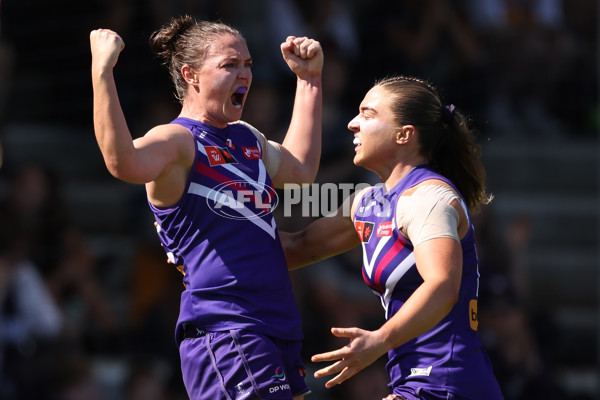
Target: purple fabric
(233,265)
(222,236)
(240,365)
(450,356)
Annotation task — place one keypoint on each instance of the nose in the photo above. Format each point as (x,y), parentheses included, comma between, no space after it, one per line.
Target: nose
(245,73)
(353,124)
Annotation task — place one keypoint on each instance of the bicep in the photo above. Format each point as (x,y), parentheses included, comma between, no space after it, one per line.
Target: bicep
(440,260)
(289,169)
(157,151)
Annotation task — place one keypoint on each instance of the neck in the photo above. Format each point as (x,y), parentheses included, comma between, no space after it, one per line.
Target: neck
(192,110)
(396,175)
(399,170)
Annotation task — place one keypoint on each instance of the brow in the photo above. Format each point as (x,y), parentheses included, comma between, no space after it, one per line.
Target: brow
(367,108)
(235,58)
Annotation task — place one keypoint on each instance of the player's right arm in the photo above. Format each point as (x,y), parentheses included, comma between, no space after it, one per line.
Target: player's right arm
(146,159)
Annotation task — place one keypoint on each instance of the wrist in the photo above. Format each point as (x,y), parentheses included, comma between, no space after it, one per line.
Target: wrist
(386,339)
(311,81)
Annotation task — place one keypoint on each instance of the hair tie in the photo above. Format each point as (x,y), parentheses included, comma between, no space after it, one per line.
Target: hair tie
(448,113)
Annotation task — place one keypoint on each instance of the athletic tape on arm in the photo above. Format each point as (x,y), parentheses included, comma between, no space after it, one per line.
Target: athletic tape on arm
(427,214)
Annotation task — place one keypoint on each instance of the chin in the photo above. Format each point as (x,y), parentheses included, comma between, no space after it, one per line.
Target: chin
(357,160)
(235,115)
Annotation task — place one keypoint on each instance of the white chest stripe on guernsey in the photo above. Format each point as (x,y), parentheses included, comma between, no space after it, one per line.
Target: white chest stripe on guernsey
(392,280)
(218,197)
(259,185)
(369,265)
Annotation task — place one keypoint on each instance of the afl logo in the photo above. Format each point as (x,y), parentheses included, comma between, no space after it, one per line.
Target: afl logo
(240,199)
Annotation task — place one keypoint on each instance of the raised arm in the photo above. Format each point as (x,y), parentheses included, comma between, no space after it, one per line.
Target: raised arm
(301,147)
(150,158)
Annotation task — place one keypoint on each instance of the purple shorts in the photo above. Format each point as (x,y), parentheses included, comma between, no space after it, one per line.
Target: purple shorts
(406,393)
(240,364)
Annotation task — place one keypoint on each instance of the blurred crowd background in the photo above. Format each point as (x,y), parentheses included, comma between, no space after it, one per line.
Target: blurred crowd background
(87,301)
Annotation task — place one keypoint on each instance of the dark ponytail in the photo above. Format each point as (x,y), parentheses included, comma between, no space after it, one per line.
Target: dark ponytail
(445,140)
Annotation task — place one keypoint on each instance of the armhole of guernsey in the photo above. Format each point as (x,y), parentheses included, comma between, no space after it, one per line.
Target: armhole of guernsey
(359,200)
(270,152)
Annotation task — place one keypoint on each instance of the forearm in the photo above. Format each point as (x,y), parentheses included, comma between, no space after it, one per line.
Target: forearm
(296,250)
(112,133)
(426,307)
(303,138)
(325,237)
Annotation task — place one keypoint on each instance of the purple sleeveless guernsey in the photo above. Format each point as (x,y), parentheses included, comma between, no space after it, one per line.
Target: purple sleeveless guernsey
(450,356)
(223,238)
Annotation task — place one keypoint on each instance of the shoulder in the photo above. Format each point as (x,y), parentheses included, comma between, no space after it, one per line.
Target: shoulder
(428,185)
(169,130)
(427,194)
(171,137)
(259,135)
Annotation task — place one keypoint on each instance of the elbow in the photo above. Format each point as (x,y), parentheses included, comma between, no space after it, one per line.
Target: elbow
(114,168)
(121,171)
(306,173)
(452,300)
(451,297)
(291,248)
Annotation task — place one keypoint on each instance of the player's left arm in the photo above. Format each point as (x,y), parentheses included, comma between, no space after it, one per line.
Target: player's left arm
(301,147)
(438,258)
(440,265)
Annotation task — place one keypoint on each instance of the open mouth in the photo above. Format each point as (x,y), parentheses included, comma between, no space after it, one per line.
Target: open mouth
(356,141)
(237,98)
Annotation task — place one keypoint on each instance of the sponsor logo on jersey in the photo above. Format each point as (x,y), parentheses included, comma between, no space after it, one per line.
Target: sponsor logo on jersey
(219,155)
(251,153)
(473,320)
(384,229)
(364,230)
(280,376)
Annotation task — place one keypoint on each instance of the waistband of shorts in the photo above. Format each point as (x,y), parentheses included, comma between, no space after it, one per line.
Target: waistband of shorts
(189,331)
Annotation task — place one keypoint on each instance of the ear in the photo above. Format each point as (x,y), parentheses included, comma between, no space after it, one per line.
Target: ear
(405,134)
(189,74)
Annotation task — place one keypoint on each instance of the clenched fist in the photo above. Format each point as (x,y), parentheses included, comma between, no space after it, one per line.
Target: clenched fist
(304,56)
(106,46)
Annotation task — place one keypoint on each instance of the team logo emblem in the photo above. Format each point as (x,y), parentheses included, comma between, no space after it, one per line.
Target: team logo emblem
(219,155)
(364,230)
